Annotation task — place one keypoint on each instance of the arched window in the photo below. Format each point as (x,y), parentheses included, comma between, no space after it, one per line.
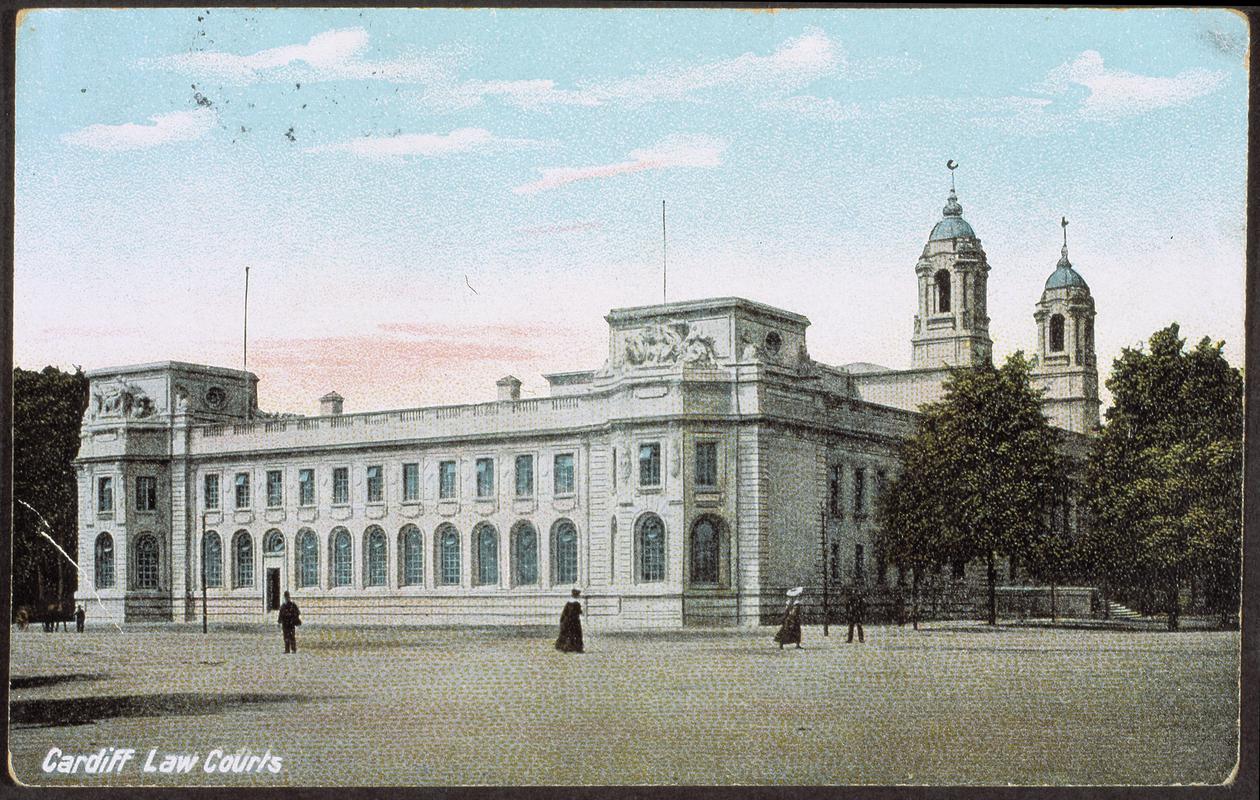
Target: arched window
(212,555)
(564,552)
(375,557)
(942,291)
(706,552)
(524,554)
(273,543)
(243,559)
(651,547)
(1056,333)
(448,556)
(342,558)
(146,562)
(308,558)
(104,561)
(486,541)
(412,548)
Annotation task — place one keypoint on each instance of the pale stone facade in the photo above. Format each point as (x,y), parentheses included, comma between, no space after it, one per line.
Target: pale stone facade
(686,481)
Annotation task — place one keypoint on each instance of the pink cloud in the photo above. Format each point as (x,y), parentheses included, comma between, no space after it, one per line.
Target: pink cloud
(671,152)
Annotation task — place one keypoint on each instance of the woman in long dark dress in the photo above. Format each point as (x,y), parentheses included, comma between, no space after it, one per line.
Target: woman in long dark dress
(570,640)
(790,629)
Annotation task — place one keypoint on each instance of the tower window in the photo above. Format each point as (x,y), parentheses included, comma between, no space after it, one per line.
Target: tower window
(1056,333)
(942,291)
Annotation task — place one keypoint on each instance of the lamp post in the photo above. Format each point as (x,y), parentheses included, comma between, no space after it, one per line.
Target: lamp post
(205,625)
(826,567)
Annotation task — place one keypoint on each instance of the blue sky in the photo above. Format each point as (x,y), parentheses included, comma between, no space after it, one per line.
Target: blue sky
(429,199)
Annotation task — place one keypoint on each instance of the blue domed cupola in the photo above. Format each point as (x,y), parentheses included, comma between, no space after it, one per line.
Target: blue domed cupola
(1067,371)
(952,225)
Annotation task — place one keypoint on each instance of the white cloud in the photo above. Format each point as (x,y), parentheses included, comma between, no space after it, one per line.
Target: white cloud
(673,151)
(332,55)
(1114,93)
(426,145)
(176,126)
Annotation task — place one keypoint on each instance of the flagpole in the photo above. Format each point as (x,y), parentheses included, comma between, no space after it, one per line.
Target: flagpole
(245,349)
(664,259)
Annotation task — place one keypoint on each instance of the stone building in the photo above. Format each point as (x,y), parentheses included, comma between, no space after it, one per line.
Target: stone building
(686,481)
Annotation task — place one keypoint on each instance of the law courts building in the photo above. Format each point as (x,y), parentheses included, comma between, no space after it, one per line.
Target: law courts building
(681,483)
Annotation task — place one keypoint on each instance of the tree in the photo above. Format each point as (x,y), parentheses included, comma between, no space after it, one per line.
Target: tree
(1165,475)
(978,474)
(48,407)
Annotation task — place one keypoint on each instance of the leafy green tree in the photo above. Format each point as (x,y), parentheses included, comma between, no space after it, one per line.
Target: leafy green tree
(1165,477)
(47,409)
(978,474)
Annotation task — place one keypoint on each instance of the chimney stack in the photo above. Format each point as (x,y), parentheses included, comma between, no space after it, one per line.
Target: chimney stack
(330,404)
(509,388)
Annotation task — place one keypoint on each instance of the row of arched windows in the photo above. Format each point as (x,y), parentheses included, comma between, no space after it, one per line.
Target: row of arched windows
(650,546)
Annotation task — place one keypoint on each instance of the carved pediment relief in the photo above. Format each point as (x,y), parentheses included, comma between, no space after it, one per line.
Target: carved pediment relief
(118,399)
(669,344)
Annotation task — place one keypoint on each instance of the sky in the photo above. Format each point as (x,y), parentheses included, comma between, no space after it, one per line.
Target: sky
(428,200)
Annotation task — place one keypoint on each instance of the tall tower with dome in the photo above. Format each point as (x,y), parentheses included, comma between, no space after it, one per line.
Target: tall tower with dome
(952,326)
(1067,367)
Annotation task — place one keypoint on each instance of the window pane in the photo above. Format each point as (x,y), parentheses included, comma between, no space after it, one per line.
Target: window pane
(485,477)
(487,556)
(376,558)
(706,463)
(212,491)
(244,560)
(859,491)
(411,482)
(104,561)
(306,487)
(214,560)
(105,495)
(146,493)
(704,552)
(341,485)
(564,474)
(308,550)
(525,555)
(565,555)
(524,476)
(275,488)
(274,543)
(413,558)
(650,464)
(242,490)
(343,561)
(450,558)
(375,491)
(146,563)
(446,480)
(652,550)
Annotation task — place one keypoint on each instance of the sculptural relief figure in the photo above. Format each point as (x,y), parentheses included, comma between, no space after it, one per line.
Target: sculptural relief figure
(182,396)
(623,463)
(748,349)
(659,345)
(121,399)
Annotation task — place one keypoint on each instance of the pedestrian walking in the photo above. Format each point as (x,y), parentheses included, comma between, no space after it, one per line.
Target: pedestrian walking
(570,639)
(79,615)
(855,610)
(290,618)
(790,629)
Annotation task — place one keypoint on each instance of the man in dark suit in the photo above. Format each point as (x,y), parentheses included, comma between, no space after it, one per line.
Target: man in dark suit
(856,609)
(290,618)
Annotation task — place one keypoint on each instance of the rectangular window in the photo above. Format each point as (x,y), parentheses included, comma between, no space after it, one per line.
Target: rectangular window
(242,490)
(411,483)
(564,473)
(306,487)
(859,563)
(859,492)
(485,477)
(650,464)
(275,488)
(211,492)
(146,493)
(105,495)
(524,476)
(835,561)
(375,486)
(341,486)
(833,490)
(881,482)
(706,464)
(446,480)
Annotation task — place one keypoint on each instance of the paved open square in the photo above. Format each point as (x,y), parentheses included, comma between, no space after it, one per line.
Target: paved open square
(952,703)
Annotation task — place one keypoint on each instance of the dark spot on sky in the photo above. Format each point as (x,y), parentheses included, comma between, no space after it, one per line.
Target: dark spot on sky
(82,91)
(202,100)
(200,19)
(289,134)
(298,85)
(304,105)
(242,129)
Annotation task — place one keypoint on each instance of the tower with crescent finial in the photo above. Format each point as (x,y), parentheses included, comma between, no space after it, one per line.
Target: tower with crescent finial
(952,326)
(1067,367)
